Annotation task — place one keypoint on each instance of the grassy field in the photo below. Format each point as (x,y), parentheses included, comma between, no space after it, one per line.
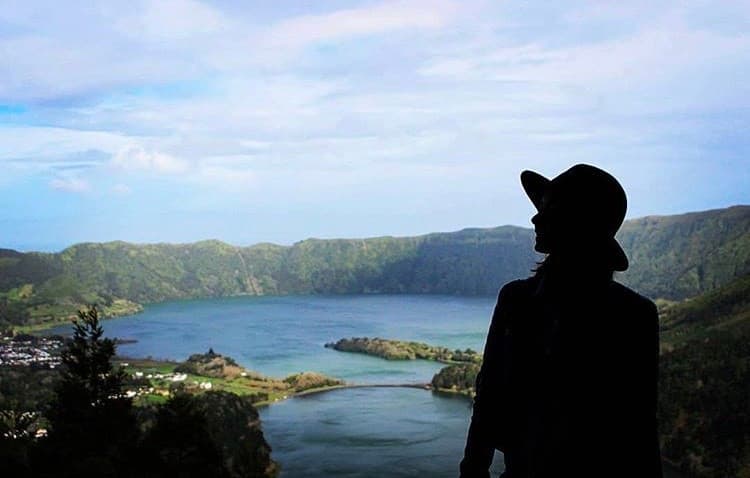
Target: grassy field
(155,380)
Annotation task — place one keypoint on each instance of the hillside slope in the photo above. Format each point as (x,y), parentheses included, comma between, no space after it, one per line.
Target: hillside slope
(704,400)
(684,255)
(672,257)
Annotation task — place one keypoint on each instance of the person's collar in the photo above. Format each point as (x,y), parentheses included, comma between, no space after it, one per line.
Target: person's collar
(552,280)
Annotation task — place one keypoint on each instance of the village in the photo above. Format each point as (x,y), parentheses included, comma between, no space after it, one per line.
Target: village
(33,351)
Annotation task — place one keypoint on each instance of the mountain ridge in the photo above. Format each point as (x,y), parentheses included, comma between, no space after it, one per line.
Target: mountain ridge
(672,257)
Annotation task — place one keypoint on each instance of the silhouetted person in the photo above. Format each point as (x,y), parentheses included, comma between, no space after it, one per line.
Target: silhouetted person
(568,386)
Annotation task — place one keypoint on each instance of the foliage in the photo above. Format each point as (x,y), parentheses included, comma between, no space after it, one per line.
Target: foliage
(94,430)
(309,380)
(725,308)
(233,424)
(671,257)
(179,444)
(210,365)
(682,256)
(704,387)
(704,405)
(402,350)
(460,378)
(215,434)
(90,418)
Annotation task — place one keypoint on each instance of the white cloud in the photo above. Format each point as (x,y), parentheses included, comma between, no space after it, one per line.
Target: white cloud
(661,49)
(171,20)
(378,18)
(121,189)
(249,97)
(70,184)
(54,143)
(226,178)
(137,158)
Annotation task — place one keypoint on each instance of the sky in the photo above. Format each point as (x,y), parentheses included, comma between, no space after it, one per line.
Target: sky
(256,121)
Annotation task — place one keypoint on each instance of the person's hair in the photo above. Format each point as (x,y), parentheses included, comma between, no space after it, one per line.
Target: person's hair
(606,272)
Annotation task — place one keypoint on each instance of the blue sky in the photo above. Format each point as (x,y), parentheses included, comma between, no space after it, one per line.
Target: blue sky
(179,120)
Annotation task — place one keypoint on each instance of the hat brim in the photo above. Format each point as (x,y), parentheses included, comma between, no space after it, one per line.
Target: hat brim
(619,258)
(535,186)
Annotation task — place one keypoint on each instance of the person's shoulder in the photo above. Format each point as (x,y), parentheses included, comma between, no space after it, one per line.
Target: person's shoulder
(631,299)
(518,288)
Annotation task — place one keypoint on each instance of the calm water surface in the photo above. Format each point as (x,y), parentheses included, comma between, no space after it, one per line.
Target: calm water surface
(282,335)
(363,432)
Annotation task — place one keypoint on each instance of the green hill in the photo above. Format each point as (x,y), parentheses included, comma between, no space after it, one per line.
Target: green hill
(704,399)
(672,257)
(726,309)
(681,256)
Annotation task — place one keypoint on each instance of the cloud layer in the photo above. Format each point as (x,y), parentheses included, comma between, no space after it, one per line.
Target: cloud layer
(269,121)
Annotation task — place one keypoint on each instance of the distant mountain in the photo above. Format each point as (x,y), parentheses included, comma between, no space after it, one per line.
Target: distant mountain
(681,256)
(672,257)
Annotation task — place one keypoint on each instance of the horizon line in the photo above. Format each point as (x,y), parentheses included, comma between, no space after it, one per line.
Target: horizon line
(255,244)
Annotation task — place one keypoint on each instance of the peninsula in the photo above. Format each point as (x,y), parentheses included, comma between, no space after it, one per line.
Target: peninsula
(155,380)
(403,350)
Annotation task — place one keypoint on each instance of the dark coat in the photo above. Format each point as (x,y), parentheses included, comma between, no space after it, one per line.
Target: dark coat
(568,386)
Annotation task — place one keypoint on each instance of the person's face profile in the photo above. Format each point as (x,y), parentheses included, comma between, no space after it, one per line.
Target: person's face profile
(546,223)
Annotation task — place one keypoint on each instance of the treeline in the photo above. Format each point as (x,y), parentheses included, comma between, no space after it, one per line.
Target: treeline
(704,405)
(460,378)
(403,350)
(88,427)
(672,257)
(704,398)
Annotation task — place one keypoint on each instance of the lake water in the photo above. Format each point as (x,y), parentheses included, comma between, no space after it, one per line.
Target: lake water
(361,432)
(279,336)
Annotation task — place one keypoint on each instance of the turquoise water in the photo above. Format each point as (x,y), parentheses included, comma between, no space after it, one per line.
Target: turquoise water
(369,432)
(361,432)
(278,336)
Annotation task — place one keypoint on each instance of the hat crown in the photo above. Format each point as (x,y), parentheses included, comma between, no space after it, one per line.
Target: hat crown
(594,193)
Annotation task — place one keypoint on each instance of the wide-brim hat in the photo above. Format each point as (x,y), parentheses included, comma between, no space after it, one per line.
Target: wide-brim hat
(595,194)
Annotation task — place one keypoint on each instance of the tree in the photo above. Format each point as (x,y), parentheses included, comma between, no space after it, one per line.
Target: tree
(92,430)
(179,443)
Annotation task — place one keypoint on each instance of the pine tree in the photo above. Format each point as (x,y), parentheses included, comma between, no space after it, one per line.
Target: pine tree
(92,426)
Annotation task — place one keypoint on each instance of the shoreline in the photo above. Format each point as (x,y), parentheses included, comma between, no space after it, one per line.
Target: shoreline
(33,329)
(141,307)
(330,388)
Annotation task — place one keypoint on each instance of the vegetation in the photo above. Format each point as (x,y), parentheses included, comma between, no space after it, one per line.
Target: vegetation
(306,381)
(457,378)
(211,371)
(705,382)
(682,256)
(211,434)
(88,427)
(724,309)
(705,405)
(402,350)
(210,364)
(696,265)
(672,257)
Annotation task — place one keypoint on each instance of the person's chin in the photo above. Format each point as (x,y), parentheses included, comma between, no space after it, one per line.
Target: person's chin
(540,246)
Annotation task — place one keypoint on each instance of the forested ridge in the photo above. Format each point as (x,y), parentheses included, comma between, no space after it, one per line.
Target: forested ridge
(672,257)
